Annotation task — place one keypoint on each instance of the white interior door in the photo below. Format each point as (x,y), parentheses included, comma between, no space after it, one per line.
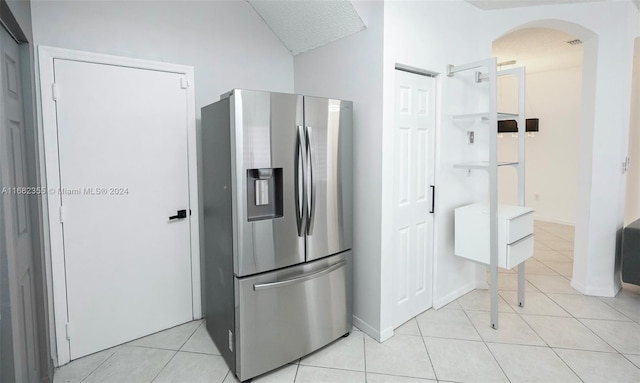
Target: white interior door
(122,144)
(414,164)
(20,267)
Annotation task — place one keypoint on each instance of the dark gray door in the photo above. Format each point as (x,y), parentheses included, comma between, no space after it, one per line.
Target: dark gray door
(19,267)
(328,131)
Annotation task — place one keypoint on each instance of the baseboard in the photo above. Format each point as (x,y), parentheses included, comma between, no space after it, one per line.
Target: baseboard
(596,291)
(452,296)
(386,334)
(365,327)
(553,220)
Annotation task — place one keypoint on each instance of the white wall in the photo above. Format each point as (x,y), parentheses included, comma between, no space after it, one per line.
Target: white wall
(226,41)
(431,35)
(551,171)
(351,69)
(608,51)
(230,47)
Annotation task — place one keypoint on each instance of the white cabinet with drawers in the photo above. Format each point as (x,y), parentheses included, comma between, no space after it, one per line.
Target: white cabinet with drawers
(515,234)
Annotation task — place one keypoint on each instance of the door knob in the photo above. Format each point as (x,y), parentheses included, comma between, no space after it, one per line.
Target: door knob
(179,214)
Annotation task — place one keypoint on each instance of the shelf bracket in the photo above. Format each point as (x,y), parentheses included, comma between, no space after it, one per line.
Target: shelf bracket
(450,70)
(480,77)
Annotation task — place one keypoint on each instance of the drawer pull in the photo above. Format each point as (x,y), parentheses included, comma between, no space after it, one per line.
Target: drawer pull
(302,278)
(521,240)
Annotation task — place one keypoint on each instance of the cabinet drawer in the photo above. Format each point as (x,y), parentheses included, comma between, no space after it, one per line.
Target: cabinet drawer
(519,251)
(519,227)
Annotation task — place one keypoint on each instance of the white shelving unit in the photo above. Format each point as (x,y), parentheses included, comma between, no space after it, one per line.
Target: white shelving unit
(486,233)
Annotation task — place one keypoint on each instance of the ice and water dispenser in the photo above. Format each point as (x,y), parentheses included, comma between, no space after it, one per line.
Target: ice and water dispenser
(264,193)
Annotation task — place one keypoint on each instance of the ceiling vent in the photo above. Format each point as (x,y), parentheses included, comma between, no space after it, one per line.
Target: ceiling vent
(574,42)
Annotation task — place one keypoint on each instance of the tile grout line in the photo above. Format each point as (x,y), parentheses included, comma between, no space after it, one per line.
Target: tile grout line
(566,364)
(544,340)
(598,336)
(99,365)
(227,374)
(326,368)
(570,316)
(191,336)
(424,342)
(497,362)
(613,320)
(364,355)
(196,352)
(630,361)
(174,354)
(623,314)
(165,365)
(487,346)
(295,376)
(121,346)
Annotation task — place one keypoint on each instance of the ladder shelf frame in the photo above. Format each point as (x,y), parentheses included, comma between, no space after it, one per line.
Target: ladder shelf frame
(491,75)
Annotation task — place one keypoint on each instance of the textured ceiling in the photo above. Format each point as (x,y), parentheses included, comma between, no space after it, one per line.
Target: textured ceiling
(304,25)
(500,4)
(538,49)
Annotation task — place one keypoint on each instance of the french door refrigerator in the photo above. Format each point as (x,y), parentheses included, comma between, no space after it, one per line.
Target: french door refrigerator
(277,183)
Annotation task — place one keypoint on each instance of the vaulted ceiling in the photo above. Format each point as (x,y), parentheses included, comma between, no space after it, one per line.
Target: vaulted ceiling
(304,25)
(308,24)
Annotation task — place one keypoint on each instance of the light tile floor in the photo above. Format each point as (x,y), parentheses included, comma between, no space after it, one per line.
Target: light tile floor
(559,336)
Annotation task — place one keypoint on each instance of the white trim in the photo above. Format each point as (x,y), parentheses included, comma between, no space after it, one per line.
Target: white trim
(597,291)
(452,296)
(365,327)
(386,334)
(55,272)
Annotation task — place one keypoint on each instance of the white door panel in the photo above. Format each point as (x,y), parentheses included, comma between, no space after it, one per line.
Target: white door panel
(122,143)
(413,226)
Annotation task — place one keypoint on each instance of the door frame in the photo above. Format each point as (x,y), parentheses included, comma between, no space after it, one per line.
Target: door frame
(54,252)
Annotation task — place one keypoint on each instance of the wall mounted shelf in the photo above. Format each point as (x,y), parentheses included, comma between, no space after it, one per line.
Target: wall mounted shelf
(483,165)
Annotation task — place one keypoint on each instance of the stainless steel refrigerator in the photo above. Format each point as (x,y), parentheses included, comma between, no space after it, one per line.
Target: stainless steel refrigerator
(277,182)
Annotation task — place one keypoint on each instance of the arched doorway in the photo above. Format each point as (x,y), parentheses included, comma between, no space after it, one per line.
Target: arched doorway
(553,60)
(585,144)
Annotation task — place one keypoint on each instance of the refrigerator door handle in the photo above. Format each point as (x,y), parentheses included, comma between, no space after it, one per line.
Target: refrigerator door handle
(299,180)
(312,182)
(302,278)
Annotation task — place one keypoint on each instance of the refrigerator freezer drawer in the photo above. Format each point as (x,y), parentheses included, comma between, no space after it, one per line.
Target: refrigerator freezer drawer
(286,314)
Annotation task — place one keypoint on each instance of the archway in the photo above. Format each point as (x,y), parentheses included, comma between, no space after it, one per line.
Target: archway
(583,195)
(553,62)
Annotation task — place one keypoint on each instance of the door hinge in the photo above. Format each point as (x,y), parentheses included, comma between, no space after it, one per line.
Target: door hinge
(230,341)
(184,83)
(61,214)
(625,165)
(54,91)
(67,327)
